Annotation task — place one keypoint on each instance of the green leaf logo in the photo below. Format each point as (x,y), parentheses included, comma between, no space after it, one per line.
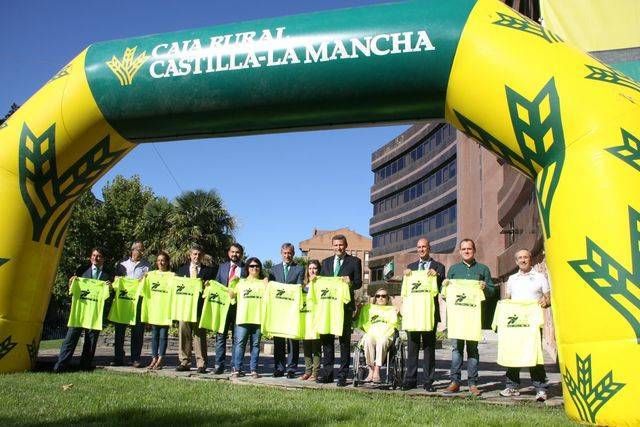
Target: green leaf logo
(609,75)
(537,126)
(589,399)
(614,283)
(629,151)
(6,346)
(524,24)
(44,191)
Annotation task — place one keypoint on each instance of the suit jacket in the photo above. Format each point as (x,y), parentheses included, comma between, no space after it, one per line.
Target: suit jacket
(439,268)
(294,277)
(85,271)
(223,272)
(352,267)
(205,273)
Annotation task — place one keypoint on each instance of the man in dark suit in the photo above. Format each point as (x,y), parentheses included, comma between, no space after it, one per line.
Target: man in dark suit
(290,273)
(350,269)
(187,330)
(94,271)
(423,339)
(226,272)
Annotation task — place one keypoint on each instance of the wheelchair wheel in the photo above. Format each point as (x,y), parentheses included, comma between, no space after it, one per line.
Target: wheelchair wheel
(397,367)
(360,369)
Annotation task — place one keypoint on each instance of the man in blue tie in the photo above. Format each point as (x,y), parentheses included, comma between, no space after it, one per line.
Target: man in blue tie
(94,271)
(425,340)
(349,268)
(288,272)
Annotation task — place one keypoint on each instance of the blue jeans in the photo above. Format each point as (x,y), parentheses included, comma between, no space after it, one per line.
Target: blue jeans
(472,361)
(243,334)
(159,335)
(221,339)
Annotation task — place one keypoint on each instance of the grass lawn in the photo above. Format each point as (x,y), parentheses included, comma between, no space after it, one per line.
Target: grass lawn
(107,398)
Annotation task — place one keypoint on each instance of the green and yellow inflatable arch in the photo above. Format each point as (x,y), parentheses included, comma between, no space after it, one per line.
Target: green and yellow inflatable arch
(566,120)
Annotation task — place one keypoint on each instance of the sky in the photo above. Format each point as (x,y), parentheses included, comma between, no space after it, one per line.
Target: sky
(279,187)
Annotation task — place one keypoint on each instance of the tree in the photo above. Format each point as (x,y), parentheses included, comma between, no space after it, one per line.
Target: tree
(14,107)
(124,201)
(199,217)
(267,265)
(153,225)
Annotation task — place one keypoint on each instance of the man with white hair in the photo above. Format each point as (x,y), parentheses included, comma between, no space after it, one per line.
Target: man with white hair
(527,284)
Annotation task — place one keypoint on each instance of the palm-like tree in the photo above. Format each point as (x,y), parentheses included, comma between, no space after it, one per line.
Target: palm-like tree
(199,217)
(153,224)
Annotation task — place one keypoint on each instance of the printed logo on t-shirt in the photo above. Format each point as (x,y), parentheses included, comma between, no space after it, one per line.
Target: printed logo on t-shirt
(180,290)
(376,319)
(215,298)
(460,301)
(280,295)
(247,293)
(415,288)
(324,294)
(513,322)
(304,308)
(124,294)
(84,295)
(156,285)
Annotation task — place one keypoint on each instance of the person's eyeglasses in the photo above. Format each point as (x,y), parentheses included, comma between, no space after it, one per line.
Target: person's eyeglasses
(381,296)
(254,266)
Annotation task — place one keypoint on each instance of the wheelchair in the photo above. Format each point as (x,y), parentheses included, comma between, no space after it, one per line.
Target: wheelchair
(393,368)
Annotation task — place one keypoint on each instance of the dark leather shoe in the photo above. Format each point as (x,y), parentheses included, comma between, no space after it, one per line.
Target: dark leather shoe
(136,364)
(342,382)
(278,374)
(116,363)
(291,375)
(183,368)
(429,387)
(407,386)
(202,370)
(219,370)
(324,380)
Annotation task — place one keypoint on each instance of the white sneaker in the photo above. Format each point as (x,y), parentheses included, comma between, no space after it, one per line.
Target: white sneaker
(541,396)
(509,392)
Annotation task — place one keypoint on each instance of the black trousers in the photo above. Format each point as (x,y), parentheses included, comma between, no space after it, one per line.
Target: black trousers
(286,354)
(328,349)
(425,340)
(69,346)
(137,338)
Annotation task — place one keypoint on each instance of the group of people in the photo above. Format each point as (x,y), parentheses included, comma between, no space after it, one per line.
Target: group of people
(380,320)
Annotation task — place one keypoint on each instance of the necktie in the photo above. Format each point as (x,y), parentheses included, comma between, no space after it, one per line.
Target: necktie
(336,267)
(421,266)
(96,273)
(193,271)
(232,271)
(286,272)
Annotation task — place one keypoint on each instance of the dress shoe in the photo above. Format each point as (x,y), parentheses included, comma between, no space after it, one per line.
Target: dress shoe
(116,363)
(429,387)
(408,386)
(183,368)
(342,382)
(278,374)
(305,376)
(474,390)
(291,375)
(324,379)
(452,388)
(219,370)
(202,370)
(136,364)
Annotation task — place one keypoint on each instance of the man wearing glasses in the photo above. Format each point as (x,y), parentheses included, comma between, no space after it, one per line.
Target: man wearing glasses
(349,268)
(425,340)
(133,268)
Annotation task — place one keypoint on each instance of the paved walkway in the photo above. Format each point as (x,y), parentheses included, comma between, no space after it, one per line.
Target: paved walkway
(491,380)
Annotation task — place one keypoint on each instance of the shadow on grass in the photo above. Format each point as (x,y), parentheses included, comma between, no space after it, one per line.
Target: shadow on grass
(196,416)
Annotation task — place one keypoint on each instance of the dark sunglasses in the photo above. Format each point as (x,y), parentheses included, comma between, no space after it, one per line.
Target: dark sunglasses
(382,296)
(254,266)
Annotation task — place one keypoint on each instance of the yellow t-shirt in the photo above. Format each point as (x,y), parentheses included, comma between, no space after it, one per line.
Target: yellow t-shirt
(281,305)
(464,311)
(518,324)
(328,296)
(249,297)
(184,298)
(418,308)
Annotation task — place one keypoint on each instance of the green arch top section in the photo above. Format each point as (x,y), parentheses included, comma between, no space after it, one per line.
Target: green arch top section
(278,74)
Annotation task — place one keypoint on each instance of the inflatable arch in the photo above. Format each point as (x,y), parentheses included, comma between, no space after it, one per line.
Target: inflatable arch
(566,120)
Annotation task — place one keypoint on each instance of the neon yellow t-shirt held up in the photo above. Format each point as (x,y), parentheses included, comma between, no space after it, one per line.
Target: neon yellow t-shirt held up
(156,301)
(464,298)
(519,341)
(125,301)
(87,303)
(282,304)
(184,298)
(216,305)
(418,308)
(249,293)
(328,296)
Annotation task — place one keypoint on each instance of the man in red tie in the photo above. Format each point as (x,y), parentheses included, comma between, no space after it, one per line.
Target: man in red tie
(226,273)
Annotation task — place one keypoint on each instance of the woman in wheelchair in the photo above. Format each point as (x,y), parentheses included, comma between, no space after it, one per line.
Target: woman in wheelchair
(380,321)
